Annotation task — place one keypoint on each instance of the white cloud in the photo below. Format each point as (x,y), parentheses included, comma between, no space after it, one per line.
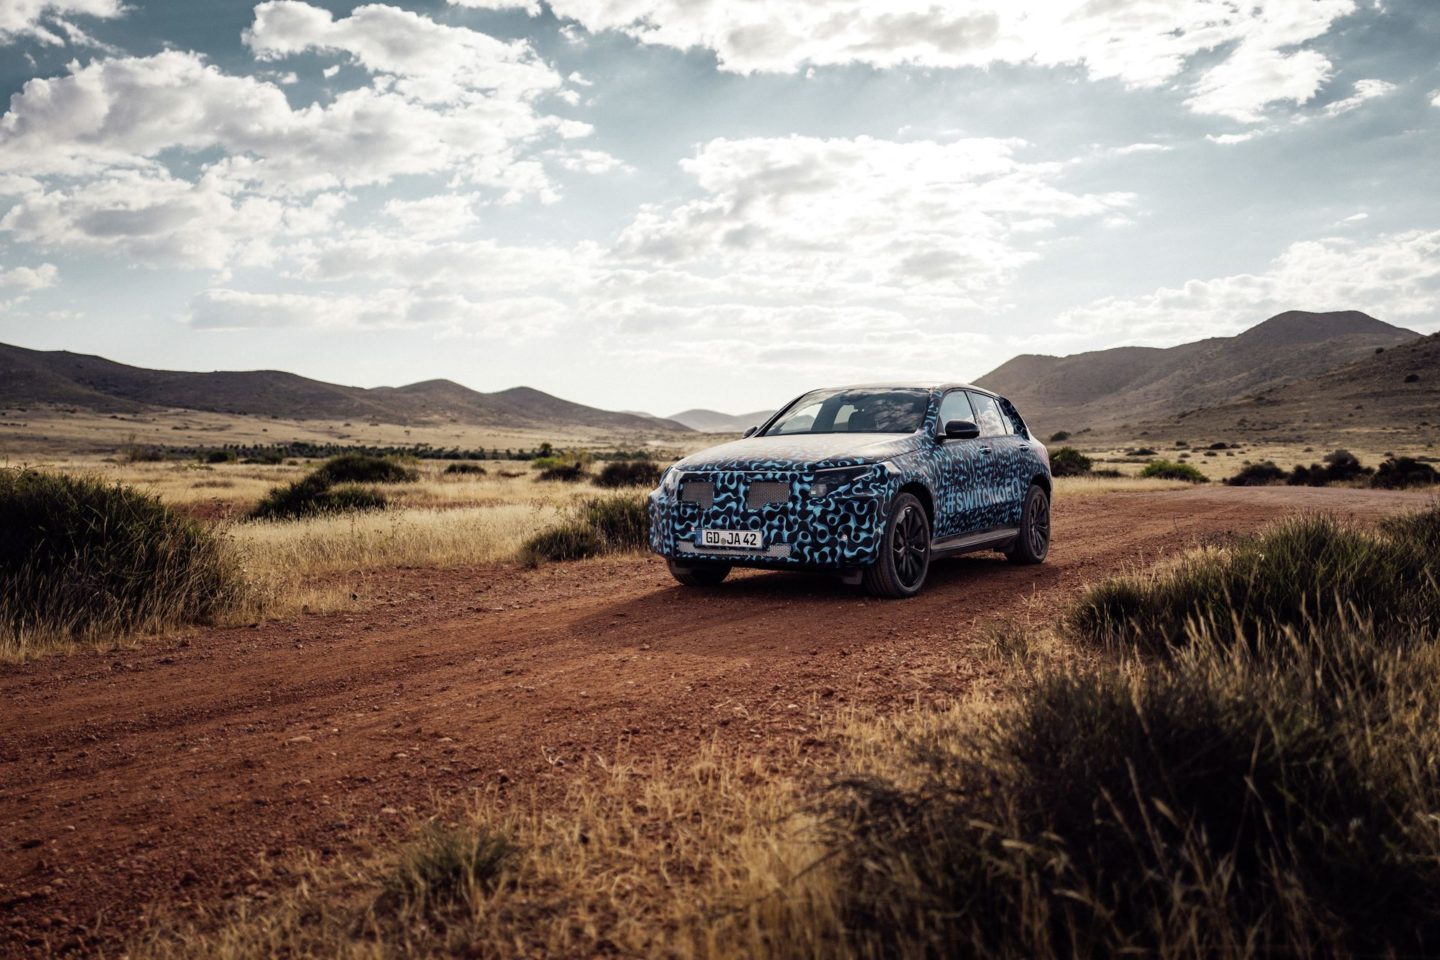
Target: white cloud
(29,279)
(954,220)
(159,220)
(531,7)
(42,19)
(1139,42)
(1230,139)
(1395,277)
(438,216)
(1255,76)
(1364,90)
(435,62)
(1435,99)
(126,112)
(453,315)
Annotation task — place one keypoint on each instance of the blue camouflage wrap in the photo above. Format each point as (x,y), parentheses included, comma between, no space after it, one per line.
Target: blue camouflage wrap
(967,486)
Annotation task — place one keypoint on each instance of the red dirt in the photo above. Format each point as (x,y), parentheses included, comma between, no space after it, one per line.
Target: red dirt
(158,777)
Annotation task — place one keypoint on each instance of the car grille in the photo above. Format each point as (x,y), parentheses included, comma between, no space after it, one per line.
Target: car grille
(766,493)
(696,491)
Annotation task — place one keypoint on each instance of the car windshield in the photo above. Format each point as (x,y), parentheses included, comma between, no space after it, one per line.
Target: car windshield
(862,410)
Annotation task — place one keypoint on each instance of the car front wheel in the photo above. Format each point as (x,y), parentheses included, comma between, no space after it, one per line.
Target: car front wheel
(904,552)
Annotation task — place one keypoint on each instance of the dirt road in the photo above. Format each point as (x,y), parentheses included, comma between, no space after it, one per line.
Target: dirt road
(159,776)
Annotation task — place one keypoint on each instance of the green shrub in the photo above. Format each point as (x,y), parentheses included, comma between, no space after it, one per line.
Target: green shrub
(219,456)
(364,468)
(1257,475)
(1300,572)
(465,470)
(592,526)
(80,558)
(313,494)
(1397,473)
(1140,452)
(1275,803)
(446,866)
(629,473)
(1169,470)
(1069,462)
(1059,436)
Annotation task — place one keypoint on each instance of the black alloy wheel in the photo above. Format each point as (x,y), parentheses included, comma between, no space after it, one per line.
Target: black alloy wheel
(905,555)
(1033,542)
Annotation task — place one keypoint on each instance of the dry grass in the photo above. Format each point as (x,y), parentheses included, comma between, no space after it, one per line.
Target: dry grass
(1085,486)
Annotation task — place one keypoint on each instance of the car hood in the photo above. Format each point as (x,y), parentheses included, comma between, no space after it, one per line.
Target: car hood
(802,451)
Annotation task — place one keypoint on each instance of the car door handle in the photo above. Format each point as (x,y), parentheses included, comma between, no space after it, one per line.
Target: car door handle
(984,449)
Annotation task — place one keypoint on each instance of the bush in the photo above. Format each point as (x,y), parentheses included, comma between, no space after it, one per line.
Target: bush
(629,473)
(312,495)
(591,527)
(448,865)
(1397,473)
(465,470)
(80,558)
(219,456)
(1257,475)
(1216,806)
(1059,436)
(363,468)
(1069,462)
(1169,470)
(1140,452)
(1298,573)
(564,473)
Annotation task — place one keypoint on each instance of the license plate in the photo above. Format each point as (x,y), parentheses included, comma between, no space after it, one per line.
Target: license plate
(732,539)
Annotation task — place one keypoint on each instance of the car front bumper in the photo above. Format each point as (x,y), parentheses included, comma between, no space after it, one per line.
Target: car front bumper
(800,530)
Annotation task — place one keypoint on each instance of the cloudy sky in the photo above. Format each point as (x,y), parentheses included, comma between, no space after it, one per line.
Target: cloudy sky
(658,204)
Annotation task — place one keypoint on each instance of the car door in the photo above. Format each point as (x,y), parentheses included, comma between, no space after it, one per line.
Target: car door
(998,455)
(960,503)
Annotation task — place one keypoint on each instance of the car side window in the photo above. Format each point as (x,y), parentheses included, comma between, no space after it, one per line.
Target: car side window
(955,406)
(1017,422)
(987,416)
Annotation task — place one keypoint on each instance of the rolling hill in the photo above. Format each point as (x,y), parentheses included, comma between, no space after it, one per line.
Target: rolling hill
(713,421)
(1394,392)
(59,378)
(1127,385)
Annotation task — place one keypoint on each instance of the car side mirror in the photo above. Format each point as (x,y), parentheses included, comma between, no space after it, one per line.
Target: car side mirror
(961,430)
(751,431)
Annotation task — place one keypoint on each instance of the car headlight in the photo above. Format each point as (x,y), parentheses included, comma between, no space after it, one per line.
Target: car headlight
(827,482)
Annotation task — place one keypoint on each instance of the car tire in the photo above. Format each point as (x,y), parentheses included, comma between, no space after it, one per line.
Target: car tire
(904,552)
(1032,544)
(708,575)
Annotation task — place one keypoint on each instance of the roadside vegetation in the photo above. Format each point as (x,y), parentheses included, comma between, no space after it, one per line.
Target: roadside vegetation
(591,527)
(1341,468)
(1231,755)
(82,559)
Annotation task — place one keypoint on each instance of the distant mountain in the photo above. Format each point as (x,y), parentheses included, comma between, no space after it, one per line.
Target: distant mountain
(1106,388)
(712,421)
(1394,392)
(33,377)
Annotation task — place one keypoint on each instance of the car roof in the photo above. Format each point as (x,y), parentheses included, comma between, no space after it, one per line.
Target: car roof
(910,385)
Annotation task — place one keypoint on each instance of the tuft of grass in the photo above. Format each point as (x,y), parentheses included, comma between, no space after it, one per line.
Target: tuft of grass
(445,866)
(81,559)
(1300,571)
(1227,804)
(629,473)
(364,468)
(312,495)
(592,526)
(1163,469)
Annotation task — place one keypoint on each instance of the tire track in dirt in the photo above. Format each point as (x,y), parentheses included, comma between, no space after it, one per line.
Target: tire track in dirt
(158,776)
